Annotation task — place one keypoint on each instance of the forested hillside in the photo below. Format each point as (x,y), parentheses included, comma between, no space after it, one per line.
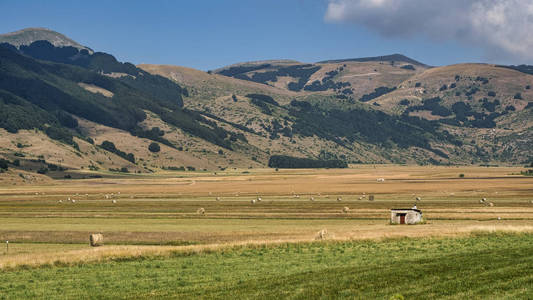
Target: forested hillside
(369,110)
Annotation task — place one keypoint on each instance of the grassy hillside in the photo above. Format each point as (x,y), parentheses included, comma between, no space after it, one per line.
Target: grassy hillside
(478,266)
(60,96)
(369,110)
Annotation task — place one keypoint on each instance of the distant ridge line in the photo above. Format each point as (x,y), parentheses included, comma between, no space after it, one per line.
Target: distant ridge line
(393,57)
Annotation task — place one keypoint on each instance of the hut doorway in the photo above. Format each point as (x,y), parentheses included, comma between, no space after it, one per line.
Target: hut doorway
(402,218)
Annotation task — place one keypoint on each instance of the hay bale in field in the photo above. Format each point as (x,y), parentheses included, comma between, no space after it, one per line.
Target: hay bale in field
(259,199)
(96,239)
(68,199)
(60,201)
(491,204)
(297,196)
(218,198)
(418,198)
(380,180)
(114,201)
(253,201)
(346,209)
(322,234)
(339,199)
(312,198)
(371,198)
(201,211)
(106,196)
(499,218)
(73,201)
(360,198)
(483,200)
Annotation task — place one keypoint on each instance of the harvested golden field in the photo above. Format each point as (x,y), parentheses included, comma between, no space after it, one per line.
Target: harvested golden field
(139,212)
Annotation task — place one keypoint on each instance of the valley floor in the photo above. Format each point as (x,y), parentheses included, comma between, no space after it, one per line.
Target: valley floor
(158,243)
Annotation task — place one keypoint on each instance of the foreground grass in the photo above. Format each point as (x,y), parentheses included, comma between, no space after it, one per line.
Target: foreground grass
(493,265)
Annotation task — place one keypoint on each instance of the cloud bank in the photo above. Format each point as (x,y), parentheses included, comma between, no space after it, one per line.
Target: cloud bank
(503,28)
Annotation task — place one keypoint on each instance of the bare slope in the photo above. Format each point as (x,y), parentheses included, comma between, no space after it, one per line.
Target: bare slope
(29,35)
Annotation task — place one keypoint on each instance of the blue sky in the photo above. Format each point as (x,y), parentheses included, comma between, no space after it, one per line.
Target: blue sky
(209,34)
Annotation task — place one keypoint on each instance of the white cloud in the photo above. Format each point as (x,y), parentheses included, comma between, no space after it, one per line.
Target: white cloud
(503,28)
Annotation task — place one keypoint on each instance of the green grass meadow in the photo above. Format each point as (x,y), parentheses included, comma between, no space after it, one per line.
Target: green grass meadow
(479,266)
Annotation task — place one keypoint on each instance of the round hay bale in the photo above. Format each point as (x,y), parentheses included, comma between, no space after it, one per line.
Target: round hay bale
(346,209)
(418,198)
(218,198)
(360,198)
(322,234)
(73,201)
(60,201)
(259,199)
(253,201)
(96,239)
(114,201)
(491,204)
(312,198)
(201,211)
(339,199)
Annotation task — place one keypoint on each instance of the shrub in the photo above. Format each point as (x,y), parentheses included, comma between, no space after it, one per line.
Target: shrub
(380,91)
(288,162)
(461,175)
(408,67)
(109,146)
(404,102)
(518,96)
(42,170)
(154,147)
(3,164)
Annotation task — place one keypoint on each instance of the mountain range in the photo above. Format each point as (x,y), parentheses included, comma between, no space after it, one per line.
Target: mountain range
(67,111)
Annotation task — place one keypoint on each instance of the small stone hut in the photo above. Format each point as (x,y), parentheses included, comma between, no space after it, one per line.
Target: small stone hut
(405,216)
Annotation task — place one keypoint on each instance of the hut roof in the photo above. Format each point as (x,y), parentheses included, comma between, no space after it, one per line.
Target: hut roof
(413,209)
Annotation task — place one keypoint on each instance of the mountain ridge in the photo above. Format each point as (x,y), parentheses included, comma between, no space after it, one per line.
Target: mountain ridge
(27,36)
